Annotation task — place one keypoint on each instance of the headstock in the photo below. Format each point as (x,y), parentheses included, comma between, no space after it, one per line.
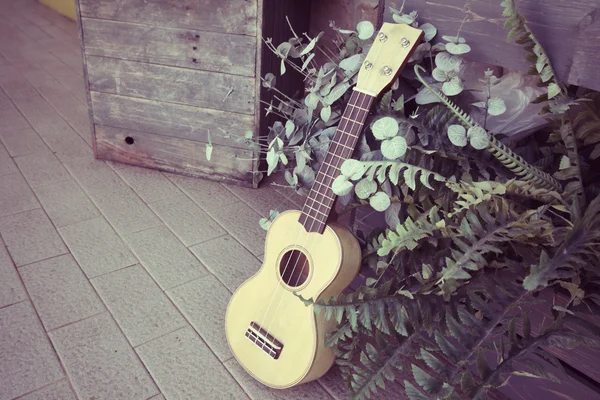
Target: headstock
(393,45)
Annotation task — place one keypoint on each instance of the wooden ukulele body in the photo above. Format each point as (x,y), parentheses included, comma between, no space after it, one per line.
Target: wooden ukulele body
(271,332)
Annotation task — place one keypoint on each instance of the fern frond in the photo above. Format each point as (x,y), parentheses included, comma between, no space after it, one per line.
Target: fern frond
(515,163)
(392,170)
(378,366)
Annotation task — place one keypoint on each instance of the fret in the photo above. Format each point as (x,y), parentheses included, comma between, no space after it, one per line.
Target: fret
(314,209)
(321,197)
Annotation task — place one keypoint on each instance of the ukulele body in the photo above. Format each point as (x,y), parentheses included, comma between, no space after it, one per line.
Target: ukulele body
(277,338)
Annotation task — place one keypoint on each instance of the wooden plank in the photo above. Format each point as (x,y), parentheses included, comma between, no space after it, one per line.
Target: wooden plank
(566,29)
(232,16)
(168,119)
(85,76)
(178,85)
(174,155)
(208,51)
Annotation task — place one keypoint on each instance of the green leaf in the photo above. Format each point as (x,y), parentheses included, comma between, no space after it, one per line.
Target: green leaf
(410,174)
(365,188)
(405,293)
(427,272)
(380,201)
(353,169)
(427,382)
(457,135)
(413,393)
(447,62)
(496,106)
(439,75)
(393,148)
(384,128)
(432,361)
(272,160)
(514,32)
(352,64)
(269,81)
(337,92)
(553,90)
(341,186)
(564,163)
(467,383)
(460,48)
(482,366)
(326,113)
(312,101)
(365,30)
(289,128)
(429,31)
(453,87)
(478,137)
(311,45)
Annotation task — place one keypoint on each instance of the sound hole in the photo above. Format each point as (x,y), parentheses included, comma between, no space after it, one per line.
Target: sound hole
(294,268)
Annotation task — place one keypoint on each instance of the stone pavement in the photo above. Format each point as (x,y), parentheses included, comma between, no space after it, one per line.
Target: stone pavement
(114,280)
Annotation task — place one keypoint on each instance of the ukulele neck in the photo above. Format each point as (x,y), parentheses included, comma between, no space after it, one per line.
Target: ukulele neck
(321,198)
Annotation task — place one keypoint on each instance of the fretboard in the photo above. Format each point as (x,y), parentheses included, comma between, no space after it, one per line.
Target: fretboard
(321,198)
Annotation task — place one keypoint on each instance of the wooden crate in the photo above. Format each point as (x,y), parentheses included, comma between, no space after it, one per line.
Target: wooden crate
(163,74)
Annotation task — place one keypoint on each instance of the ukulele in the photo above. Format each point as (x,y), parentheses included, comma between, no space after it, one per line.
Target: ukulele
(276,338)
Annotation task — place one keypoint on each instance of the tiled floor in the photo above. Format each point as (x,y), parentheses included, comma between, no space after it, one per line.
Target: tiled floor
(113,280)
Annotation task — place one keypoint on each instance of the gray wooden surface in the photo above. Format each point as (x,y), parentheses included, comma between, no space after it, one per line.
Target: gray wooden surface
(230,16)
(194,49)
(169,119)
(174,155)
(568,30)
(179,85)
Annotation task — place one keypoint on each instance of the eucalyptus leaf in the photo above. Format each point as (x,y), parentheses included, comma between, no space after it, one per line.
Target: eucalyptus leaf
(457,135)
(429,31)
(326,113)
(353,169)
(311,45)
(453,87)
(365,188)
(272,160)
(393,148)
(269,81)
(496,106)
(460,48)
(289,128)
(478,137)
(384,128)
(454,39)
(564,163)
(312,101)
(365,30)
(439,75)
(447,62)
(341,186)
(307,61)
(380,201)
(352,64)
(337,92)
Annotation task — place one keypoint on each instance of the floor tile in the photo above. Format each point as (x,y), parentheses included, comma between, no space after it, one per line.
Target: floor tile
(208,195)
(149,184)
(138,305)
(334,384)
(16,195)
(42,168)
(204,303)
(11,119)
(28,360)
(125,211)
(30,237)
(57,391)
(94,176)
(97,247)
(5,102)
(22,141)
(7,165)
(184,368)
(226,251)
(167,260)
(60,291)
(185,218)
(15,85)
(158,397)
(66,203)
(100,362)
(11,287)
(258,391)
(262,200)
(242,223)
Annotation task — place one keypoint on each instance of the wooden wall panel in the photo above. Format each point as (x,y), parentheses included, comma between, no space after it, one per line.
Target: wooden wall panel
(208,51)
(168,119)
(230,16)
(174,155)
(178,85)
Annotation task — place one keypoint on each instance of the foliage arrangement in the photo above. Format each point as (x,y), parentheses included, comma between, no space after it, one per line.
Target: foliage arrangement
(478,229)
